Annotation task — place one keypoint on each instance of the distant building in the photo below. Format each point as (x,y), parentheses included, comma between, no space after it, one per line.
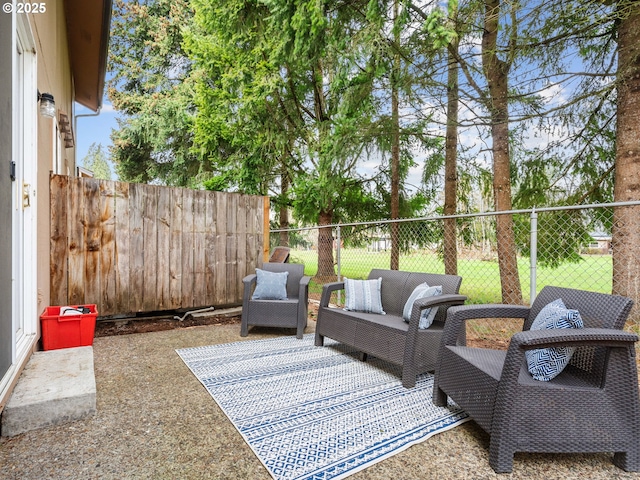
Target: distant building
(600,243)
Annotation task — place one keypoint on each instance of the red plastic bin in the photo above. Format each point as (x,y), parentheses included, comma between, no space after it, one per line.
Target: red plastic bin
(67,331)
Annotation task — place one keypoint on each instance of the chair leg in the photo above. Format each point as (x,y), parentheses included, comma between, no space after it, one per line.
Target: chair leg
(409,382)
(628,461)
(299,332)
(500,457)
(319,340)
(362,356)
(244,328)
(439,397)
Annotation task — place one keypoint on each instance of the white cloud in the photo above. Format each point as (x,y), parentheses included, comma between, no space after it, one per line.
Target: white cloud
(107,108)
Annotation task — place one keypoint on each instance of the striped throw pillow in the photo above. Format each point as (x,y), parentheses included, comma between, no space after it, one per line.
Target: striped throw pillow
(363,295)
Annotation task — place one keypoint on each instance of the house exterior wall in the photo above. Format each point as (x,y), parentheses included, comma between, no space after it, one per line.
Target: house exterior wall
(54,76)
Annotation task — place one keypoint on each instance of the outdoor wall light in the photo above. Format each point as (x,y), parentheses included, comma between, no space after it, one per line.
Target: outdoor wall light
(47,105)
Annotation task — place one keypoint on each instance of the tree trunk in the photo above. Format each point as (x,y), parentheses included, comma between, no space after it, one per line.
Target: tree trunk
(325,246)
(496,72)
(395,152)
(626,227)
(450,166)
(284,210)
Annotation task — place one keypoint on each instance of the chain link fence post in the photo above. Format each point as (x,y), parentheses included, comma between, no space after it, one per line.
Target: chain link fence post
(533,260)
(338,266)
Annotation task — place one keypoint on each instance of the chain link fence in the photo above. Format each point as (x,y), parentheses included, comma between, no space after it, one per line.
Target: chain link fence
(502,258)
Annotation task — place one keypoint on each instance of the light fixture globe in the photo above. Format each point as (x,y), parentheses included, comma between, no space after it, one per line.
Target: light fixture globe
(47,105)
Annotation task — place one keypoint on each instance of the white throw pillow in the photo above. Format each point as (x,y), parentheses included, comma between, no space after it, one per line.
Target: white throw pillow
(428,314)
(363,295)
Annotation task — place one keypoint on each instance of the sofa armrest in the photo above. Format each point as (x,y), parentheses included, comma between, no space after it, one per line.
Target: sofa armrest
(458,315)
(303,293)
(522,341)
(249,282)
(573,337)
(327,289)
(421,303)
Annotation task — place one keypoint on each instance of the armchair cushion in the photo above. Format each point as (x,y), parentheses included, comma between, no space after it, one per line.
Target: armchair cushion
(428,314)
(363,295)
(546,363)
(270,285)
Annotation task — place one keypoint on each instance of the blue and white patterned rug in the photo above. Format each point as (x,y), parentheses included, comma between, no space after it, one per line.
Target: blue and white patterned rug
(317,412)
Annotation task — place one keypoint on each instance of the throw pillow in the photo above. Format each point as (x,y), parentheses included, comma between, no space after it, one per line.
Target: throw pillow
(428,314)
(363,295)
(547,363)
(270,285)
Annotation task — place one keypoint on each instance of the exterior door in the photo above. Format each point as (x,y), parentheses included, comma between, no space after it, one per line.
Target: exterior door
(25,121)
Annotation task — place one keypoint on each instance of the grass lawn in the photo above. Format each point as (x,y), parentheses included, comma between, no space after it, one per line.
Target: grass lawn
(480,278)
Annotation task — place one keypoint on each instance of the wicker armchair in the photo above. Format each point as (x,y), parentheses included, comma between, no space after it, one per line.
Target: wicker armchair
(289,313)
(592,406)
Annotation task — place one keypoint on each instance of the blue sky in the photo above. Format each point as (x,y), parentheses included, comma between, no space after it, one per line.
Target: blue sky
(94,129)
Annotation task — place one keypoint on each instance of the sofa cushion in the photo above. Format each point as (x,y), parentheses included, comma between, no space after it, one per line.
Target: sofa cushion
(363,295)
(428,314)
(270,285)
(546,363)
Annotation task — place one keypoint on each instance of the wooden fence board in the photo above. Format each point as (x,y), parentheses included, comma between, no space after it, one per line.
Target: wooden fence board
(150,250)
(175,252)
(163,262)
(58,246)
(75,230)
(93,237)
(107,246)
(232,244)
(199,249)
(241,243)
(220,248)
(136,248)
(187,250)
(210,245)
(122,249)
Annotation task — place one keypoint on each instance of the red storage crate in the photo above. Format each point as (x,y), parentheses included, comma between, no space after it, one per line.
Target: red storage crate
(66,331)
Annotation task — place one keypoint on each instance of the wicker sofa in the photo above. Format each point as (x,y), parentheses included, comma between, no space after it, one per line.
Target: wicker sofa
(389,337)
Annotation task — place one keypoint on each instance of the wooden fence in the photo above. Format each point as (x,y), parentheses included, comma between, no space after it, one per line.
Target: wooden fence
(132,248)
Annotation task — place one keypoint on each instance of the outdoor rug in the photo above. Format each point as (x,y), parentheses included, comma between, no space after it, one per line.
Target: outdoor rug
(312,412)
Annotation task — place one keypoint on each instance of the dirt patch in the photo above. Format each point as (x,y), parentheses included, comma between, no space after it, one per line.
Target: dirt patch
(144,325)
(125,326)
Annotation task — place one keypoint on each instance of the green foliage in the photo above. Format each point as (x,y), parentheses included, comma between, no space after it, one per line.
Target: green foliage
(151,89)
(97,161)
(292,98)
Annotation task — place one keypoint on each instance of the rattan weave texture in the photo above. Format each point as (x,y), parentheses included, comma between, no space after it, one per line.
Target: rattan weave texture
(289,313)
(388,336)
(592,406)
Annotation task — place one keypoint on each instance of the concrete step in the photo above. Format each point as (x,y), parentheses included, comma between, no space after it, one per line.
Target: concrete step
(56,386)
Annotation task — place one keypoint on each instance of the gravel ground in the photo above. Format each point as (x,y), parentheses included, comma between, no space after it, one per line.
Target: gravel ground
(155,421)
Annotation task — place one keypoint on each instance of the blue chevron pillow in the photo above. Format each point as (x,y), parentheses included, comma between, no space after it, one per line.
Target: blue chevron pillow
(546,363)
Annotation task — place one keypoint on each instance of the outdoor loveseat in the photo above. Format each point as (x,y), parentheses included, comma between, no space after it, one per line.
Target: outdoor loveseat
(387,336)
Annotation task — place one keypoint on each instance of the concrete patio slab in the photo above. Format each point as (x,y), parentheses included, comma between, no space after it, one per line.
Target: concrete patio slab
(56,386)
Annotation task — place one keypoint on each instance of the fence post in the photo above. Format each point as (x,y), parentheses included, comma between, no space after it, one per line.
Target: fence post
(338,257)
(533,254)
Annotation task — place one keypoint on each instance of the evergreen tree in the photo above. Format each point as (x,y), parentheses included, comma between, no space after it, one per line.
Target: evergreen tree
(97,161)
